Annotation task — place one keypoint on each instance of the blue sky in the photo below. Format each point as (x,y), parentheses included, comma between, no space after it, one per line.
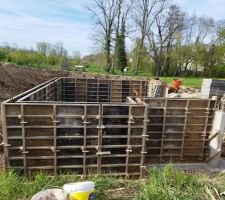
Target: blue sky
(25,22)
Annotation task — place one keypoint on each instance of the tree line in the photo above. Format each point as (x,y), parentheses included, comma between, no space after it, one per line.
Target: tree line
(166,40)
(46,55)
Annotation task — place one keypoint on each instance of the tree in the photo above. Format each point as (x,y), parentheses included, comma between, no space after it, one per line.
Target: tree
(145,12)
(44,48)
(146,64)
(60,50)
(124,8)
(105,12)
(169,24)
(121,61)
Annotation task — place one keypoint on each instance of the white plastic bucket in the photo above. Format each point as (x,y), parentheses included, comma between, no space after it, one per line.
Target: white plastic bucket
(79,191)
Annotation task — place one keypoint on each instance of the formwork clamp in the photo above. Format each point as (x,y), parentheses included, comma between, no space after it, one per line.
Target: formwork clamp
(22,150)
(187,111)
(101,127)
(98,116)
(207,110)
(131,120)
(23,122)
(83,149)
(86,122)
(97,147)
(145,135)
(20,116)
(204,134)
(54,150)
(55,121)
(129,149)
(146,120)
(103,153)
(5,144)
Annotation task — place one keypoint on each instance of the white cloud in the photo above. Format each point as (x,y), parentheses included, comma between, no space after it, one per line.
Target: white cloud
(25,26)
(26,22)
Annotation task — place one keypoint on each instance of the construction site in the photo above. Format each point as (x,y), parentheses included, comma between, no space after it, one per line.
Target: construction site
(100,125)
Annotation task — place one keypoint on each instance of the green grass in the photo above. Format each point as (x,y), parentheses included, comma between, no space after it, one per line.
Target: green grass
(192,82)
(172,184)
(165,184)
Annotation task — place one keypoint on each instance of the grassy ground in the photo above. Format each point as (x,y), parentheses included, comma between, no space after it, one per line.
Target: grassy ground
(192,82)
(166,184)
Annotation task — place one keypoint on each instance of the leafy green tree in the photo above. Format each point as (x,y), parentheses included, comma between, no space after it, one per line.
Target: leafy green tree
(121,58)
(44,48)
(19,56)
(4,53)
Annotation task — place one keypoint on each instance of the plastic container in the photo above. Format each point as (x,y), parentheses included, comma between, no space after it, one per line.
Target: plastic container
(79,191)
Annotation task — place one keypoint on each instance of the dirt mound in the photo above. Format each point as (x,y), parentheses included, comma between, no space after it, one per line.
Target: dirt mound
(16,79)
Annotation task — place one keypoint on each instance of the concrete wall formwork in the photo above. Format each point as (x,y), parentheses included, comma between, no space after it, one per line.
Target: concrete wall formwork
(92,126)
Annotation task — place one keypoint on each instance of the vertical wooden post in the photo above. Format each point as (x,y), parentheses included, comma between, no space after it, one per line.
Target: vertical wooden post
(217,138)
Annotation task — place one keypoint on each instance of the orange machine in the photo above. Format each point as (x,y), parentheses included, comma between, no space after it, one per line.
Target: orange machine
(176,84)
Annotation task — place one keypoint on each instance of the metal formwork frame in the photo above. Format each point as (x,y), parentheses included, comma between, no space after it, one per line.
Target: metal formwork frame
(31,122)
(57,133)
(86,90)
(193,116)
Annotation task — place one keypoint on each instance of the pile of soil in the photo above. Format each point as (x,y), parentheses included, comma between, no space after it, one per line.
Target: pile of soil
(17,79)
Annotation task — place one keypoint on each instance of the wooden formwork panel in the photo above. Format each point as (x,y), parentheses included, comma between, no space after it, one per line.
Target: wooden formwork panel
(83,138)
(179,129)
